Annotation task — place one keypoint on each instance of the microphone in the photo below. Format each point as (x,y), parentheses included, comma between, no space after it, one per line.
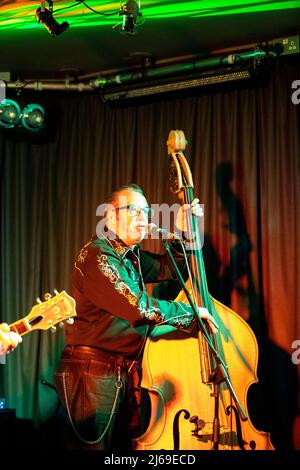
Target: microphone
(153,228)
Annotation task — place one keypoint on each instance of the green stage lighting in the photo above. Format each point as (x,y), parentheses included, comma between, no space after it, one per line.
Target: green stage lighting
(33,117)
(10,113)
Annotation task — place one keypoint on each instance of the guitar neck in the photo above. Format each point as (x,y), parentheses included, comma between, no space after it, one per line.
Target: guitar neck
(21,326)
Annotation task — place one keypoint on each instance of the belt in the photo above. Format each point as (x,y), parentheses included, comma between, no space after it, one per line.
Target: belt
(96,353)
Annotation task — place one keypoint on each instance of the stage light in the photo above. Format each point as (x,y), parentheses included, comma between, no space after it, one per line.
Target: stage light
(45,17)
(10,113)
(130,11)
(33,117)
(176,86)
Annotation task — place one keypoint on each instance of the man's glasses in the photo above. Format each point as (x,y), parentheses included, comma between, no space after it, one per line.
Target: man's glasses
(135,211)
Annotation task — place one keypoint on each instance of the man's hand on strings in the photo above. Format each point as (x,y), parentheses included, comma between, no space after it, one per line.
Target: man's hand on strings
(196,210)
(205,315)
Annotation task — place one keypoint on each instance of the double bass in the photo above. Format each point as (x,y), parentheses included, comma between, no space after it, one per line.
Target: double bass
(199,402)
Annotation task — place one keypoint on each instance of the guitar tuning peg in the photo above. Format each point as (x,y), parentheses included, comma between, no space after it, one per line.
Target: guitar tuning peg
(53,329)
(55,291)
(70,321)
(39,300)
(47,296)
(61,324)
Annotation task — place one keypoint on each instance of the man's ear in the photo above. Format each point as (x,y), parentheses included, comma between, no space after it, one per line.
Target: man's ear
(111,215)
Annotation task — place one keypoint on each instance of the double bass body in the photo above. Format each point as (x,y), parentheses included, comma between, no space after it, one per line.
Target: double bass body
(188,410)
(182,406)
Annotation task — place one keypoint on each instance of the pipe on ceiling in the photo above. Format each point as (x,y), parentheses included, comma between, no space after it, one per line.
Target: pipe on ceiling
(255,56)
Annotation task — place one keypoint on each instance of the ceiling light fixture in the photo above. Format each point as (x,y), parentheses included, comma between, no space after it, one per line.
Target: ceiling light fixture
(10,113)
(45,17)
(147,90)
(33,117)
(130,11)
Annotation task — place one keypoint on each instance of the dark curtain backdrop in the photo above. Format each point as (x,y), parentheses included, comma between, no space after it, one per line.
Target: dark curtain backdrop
(244,154)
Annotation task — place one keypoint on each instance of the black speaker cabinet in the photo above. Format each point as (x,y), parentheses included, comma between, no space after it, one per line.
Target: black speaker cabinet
(7,428)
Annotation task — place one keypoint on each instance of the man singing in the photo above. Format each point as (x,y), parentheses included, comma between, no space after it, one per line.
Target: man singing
(98,375)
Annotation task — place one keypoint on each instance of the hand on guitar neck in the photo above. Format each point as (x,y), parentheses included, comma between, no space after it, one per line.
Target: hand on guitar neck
(43,316)
(9,340)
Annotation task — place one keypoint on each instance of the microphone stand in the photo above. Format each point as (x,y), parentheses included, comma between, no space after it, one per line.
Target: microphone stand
(220,373)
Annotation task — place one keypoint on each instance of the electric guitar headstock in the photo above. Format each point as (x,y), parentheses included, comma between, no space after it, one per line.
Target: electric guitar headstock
(45,315)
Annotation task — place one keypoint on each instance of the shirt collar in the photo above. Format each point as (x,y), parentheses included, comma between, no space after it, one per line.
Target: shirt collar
(119,247)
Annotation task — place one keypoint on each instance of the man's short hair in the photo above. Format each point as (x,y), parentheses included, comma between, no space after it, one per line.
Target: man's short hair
(131,187)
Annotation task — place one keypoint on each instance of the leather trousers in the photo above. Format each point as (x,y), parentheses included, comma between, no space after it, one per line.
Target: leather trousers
(102,397)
